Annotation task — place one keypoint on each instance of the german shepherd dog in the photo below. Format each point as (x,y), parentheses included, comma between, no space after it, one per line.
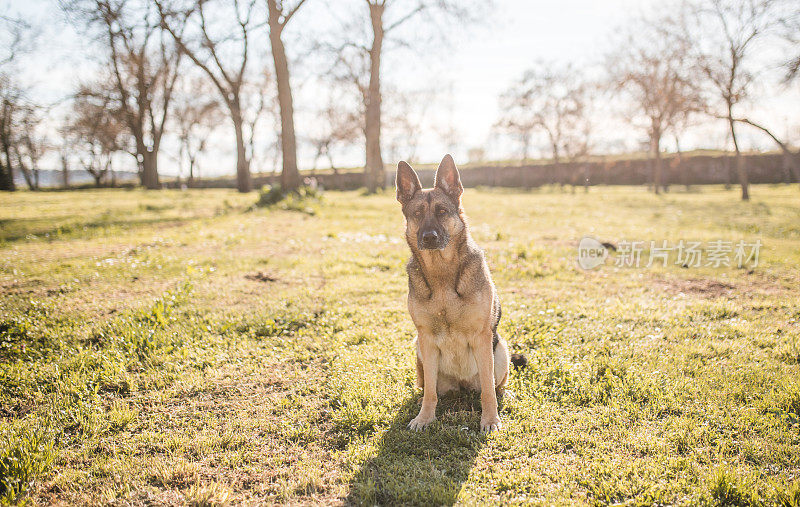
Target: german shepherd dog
(451,297)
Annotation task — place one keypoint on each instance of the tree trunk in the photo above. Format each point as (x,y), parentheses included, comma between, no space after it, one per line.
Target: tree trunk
(290,176)
(7,169)
(790,169)
(741,169)
(558,171)
(149,176)
(98,175)
(6,178)
(181,157)
(65,171)
(244,182)
(190,181)
(316,159)
(146,159)
(789,159)
(25,173)
(373,171)
(658,163)
(330,161)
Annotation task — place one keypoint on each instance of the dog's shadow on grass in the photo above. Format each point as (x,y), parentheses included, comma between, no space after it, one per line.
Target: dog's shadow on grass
(427,467)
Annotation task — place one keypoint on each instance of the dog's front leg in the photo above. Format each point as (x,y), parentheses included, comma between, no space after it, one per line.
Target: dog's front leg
(430,372)
(490,420)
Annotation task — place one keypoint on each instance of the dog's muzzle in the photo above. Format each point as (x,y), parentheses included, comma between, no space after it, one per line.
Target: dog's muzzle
(430,240)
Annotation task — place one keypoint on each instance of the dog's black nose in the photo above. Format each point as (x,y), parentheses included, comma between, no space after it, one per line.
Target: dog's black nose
(430,238)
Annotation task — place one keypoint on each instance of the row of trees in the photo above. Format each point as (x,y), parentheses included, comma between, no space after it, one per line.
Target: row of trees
(701,59)
(19,118)
(159,58)
(185,68)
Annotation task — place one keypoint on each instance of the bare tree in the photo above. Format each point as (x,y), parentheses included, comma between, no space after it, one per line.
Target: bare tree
(31,145)
(267,152)
(446,128)
(789,31)
(350,69)
(144,66)
(576,144)
(649,68)
(680,123)
(260,101)
(790,160)
(197,112)
(13,34)
(222,51)
(338,125)
(16,38)
(97,133)
(406,112)
(516,119)
(551,99)
(374,172)
(278,16)
(361,56)
(10,96)
(787,22)
(96,160)
(724,35)
(65,148)
(23,139)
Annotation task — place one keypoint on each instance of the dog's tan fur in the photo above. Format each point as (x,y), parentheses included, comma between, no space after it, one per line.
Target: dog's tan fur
(451,298)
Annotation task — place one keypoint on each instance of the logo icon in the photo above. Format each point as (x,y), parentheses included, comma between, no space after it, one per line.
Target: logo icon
(591,253)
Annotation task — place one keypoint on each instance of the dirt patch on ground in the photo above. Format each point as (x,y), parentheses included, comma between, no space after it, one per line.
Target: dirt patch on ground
(261,276)
(714,288)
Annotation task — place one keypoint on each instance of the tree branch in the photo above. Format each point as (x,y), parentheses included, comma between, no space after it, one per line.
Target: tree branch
(292,11)
(405,18)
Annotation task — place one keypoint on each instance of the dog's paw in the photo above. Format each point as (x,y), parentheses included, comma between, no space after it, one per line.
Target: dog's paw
(420,422)
(491,424)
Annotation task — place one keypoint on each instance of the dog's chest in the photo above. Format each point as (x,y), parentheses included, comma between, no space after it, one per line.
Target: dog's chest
(445,313)
(456,356)
(452,322)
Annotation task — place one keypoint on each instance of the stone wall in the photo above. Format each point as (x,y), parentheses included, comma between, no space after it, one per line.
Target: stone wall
(693,170)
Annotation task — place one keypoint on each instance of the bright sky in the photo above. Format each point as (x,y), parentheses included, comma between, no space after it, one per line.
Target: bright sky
(523,32)
(471,71)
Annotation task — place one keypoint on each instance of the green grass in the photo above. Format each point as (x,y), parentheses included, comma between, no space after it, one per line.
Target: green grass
(189,347)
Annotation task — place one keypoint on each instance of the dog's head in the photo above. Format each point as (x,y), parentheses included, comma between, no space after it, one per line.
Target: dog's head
(433,215)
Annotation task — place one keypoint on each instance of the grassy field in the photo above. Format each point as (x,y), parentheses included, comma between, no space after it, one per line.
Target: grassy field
(186,347)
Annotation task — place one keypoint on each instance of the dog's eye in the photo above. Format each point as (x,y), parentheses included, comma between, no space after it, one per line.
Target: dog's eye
(442,211)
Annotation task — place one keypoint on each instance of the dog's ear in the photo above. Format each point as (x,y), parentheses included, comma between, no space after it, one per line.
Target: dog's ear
(448,179)
(407,182)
